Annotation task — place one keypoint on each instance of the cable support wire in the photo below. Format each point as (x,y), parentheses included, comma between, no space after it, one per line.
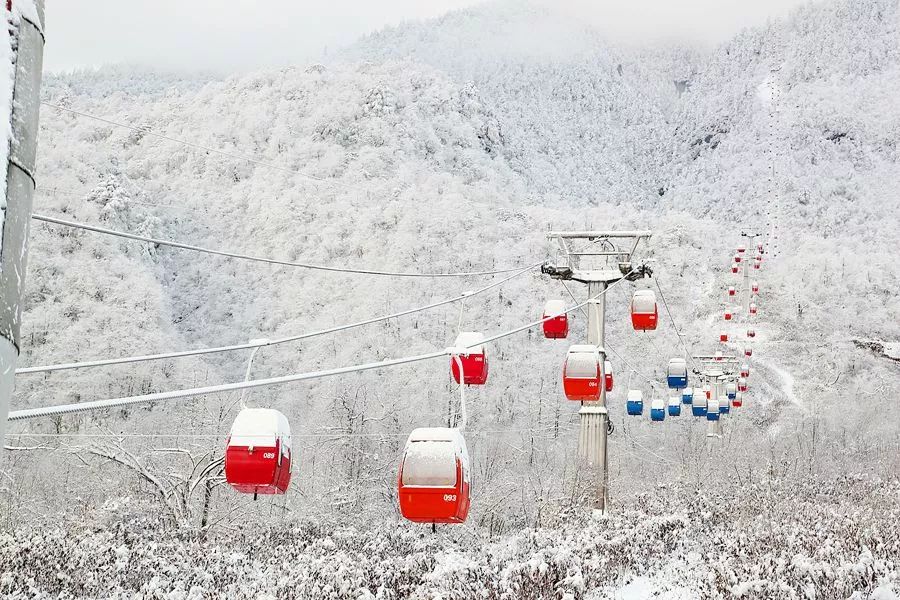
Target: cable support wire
(631,368)
(261,343)
(222,436)
(233,155)
(34,413)
(262,259)
(563,282)
(648,450)
(687,352)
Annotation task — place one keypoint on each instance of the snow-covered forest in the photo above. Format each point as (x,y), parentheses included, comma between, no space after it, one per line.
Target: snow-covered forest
(453,145)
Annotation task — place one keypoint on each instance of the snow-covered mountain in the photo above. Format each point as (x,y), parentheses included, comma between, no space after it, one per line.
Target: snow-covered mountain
(448,145)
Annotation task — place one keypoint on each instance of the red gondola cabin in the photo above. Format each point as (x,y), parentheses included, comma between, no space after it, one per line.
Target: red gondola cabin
(727,315)
(608,375)
(754,288)
(748,351)
(723,336)
(732,291)
(473,357)
(557,326)
(737,258)
(753,309)
(644,313)
(735,268)
(433,483)
(751,333)
(258,452)
(581,373)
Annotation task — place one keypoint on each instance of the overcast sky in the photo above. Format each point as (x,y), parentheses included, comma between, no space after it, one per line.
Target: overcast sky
(236,35)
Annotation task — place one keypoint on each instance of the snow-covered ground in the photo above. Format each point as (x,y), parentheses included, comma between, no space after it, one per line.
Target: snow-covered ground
(834,539)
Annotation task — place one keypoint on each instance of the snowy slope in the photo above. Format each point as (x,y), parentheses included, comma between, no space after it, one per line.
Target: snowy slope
(582,119)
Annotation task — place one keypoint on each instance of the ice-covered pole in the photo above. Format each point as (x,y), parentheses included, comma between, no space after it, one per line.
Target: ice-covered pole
(23,59)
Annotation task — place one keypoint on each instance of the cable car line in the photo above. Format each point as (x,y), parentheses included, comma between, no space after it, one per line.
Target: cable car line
(583,312)
(147,131)
(274,261)
(568,310)
(649,380)
(34,413)
(630,367)
(258,344)
(649,451)
(688,353)
(221,436)
(213,389)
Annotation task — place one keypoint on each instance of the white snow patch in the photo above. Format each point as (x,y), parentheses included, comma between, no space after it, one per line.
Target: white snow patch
(645,588)
(884,592)
(638,589)
(769,91)
(892,350)
(787,382)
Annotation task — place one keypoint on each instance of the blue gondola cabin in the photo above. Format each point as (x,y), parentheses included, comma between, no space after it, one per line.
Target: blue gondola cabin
(635,402)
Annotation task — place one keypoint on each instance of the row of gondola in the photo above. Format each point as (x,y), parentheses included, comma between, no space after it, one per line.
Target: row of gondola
(434,476)
(702,404)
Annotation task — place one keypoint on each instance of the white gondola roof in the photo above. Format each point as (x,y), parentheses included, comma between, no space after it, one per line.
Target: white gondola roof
(675,401)
(658,403)
(259,427)
(582,361)
(635,395)
(554,308)
(470,341)
(452,435)
(644,301)
(435,434)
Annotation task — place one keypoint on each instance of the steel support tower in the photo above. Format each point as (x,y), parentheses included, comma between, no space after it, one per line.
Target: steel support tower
(610,254)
